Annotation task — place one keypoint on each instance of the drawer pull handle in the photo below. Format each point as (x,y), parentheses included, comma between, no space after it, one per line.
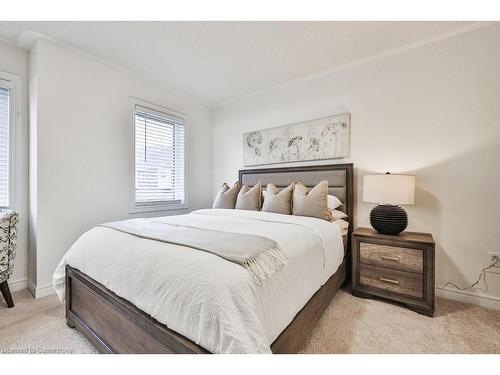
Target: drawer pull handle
(385,257)
(396,282)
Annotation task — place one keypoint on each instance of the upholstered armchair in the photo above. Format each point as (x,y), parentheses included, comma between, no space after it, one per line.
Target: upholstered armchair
(8,238)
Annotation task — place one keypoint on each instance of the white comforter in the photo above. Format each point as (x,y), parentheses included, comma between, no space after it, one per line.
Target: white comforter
(212,301)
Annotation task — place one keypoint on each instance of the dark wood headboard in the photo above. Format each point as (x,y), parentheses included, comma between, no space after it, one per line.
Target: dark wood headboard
(339,176)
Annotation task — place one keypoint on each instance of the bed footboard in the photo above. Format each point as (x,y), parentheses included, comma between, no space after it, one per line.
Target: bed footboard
(114,325)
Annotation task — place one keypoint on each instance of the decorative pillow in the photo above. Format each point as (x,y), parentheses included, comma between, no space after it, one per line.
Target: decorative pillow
(226,197)
(276,201)
(313,203)
(249,198)
(333,202)
(8,241)
(337,214)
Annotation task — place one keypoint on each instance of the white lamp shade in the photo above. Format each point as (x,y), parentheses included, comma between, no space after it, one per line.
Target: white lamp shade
(389,189)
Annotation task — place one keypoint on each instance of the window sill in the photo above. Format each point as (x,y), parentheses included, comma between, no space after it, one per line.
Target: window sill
(157,208)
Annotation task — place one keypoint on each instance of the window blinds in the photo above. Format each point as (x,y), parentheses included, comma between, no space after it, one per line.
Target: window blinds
(159,158)
(4,146)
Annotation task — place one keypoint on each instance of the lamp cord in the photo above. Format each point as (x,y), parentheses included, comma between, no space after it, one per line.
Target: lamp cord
(495,261)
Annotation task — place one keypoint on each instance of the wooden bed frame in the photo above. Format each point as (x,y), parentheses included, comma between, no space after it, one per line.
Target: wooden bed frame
(115,325)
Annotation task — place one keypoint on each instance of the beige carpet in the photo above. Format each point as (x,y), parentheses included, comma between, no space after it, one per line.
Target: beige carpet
(350,325)
(355,325)
(38,326)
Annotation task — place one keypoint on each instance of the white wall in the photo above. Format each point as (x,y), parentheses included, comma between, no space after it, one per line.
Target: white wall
(433,111)
(83,131)
(14,60)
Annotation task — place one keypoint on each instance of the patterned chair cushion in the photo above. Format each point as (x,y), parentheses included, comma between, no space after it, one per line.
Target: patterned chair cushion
(8,240)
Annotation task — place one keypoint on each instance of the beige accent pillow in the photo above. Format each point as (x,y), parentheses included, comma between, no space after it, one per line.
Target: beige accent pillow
(276,201)
(249,198)
(313,203)
(226,197)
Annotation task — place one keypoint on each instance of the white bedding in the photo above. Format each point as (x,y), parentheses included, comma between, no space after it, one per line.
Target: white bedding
(212,301)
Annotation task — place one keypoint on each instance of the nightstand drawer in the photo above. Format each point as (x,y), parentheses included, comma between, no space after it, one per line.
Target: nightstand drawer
(399,258)
(401,282)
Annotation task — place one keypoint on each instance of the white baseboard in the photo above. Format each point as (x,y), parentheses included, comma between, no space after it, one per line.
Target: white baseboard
(19,284)
(469,297)
(42,291)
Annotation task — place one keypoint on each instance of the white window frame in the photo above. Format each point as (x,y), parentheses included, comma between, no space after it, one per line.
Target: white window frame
(13,83)
(134,207)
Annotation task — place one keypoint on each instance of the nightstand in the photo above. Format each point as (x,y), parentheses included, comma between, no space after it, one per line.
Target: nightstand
(398,268)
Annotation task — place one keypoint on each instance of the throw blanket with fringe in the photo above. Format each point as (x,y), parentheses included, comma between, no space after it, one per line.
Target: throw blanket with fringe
(261,256)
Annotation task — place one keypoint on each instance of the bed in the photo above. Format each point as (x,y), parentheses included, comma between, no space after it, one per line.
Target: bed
(181,300)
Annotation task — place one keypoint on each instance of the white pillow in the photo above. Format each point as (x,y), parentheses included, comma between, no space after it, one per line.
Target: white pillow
(333,202)
(337,214)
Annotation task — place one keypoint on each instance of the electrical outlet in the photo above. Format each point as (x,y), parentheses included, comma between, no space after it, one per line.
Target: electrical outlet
(492,256)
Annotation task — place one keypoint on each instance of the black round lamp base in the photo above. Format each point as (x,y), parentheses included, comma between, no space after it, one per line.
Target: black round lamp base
(388,219)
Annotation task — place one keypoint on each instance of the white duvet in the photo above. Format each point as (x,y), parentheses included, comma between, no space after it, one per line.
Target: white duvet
(212,301)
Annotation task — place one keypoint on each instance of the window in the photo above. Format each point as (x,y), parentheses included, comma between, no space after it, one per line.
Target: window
(4,146)
(8,118)
(159,176)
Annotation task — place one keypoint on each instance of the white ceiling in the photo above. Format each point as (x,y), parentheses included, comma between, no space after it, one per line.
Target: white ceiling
(221,61)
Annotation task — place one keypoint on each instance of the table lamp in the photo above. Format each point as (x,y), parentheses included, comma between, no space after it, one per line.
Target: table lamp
(389,191)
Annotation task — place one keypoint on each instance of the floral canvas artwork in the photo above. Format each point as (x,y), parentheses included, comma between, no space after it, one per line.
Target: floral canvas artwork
(325,138)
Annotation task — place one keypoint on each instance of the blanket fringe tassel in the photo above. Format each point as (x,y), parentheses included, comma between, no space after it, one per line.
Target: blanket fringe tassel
(266,263)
